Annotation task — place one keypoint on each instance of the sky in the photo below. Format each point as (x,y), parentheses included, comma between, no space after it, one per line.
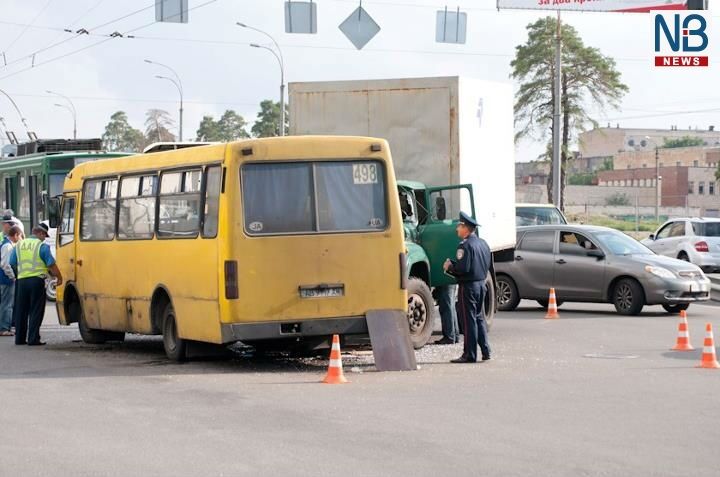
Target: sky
(219,70)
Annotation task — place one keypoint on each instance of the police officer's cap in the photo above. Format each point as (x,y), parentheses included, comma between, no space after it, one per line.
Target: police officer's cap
(465,219)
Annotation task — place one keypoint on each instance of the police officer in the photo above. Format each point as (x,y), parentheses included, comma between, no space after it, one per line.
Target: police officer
(33,260)
(470,268)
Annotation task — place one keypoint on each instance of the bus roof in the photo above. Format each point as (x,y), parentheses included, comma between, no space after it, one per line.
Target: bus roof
(31,160)
(275,148)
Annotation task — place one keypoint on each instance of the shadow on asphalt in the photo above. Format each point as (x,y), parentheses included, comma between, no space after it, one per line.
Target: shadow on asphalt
(694,355)
(146,357)
(576,314)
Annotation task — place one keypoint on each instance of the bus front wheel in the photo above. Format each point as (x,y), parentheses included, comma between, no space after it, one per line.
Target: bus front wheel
(175,347)
(90,335)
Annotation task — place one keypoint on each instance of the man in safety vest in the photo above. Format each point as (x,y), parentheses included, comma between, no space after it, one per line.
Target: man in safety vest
(33,260)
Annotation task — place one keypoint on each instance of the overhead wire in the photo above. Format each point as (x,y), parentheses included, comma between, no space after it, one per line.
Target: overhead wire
(24,30)
(107,38)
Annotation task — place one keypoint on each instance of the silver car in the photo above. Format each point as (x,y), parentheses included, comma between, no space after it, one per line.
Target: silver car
(595,264)
(693,240)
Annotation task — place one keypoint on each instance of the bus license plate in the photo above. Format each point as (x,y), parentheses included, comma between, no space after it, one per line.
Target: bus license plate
(329,292)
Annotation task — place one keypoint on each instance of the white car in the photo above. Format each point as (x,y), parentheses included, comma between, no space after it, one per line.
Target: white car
(695,240)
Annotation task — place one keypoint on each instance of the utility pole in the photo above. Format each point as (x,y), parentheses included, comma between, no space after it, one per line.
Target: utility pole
(556,165)
(658,178)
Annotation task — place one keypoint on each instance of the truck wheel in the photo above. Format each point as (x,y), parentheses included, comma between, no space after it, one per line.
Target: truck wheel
(420,312)
(490,303)
(507,293)
(175,347)
(628,297)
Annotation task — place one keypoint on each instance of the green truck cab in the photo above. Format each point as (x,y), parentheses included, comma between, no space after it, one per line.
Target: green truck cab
(430,238)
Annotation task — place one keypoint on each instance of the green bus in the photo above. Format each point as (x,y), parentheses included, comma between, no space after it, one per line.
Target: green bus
(35,171)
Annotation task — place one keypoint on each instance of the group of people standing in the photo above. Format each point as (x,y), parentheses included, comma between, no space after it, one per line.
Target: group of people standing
(24,264)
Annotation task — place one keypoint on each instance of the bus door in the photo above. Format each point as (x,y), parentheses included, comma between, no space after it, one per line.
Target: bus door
(67,235)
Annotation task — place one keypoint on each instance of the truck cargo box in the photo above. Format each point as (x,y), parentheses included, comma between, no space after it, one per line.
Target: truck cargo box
(447,130)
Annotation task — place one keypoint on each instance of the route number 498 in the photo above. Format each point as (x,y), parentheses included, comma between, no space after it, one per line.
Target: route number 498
(365,173)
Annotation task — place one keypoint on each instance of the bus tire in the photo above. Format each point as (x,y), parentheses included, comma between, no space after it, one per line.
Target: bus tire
(90,335)
(420,312)
(175,347)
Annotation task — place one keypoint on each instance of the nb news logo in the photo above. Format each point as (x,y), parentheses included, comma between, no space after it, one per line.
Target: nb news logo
(683,35)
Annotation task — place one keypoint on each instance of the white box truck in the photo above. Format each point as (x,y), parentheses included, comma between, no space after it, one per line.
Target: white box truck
(452,143)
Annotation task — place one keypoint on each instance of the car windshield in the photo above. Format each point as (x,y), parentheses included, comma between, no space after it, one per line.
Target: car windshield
(620,244)
(538,216)
(706,229)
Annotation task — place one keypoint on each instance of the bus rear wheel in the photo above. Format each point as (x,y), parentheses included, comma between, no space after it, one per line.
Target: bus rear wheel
(175,347)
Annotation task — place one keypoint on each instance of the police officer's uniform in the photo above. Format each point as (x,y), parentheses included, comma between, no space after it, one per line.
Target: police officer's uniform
(473,261)
(32,258)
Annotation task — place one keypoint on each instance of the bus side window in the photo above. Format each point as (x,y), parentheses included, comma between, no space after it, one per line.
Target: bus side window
(213,180)
(97,219)
(67,223)
(136,213)
(179,204)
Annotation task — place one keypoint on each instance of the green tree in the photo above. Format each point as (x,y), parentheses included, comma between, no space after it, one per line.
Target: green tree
(157,126)
(686,141)
(120,136)
(208,131)
(267,123)
(589,79)
(230,127)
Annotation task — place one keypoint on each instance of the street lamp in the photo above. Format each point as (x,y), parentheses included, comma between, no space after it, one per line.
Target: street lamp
(279,56)
(178,84)
(658,179)
(73,115)
(70,108)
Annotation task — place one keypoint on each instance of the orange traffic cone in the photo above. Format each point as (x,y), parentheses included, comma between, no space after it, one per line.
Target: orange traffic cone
(552,312)
(683,337)
(335,370)
(709,360)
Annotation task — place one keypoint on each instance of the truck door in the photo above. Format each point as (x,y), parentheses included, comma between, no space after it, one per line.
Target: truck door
(438,235)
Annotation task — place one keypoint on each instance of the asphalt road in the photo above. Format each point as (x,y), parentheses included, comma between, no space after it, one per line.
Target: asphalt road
(589,394)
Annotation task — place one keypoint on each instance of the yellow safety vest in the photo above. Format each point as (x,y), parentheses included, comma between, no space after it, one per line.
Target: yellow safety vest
(28,257)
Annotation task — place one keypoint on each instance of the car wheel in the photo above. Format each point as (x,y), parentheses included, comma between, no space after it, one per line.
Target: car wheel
(420,312)
(507,293)
(51,289)
(174,345)
(677,308)
(628,297)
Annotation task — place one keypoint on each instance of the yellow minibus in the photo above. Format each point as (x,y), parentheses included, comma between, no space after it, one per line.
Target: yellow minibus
(262,240)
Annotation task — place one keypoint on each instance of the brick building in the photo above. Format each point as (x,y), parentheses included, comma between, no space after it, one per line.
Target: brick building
(609,142)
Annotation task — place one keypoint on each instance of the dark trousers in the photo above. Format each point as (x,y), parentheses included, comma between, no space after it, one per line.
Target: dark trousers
(471,298)
(448,317)
(29,309)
